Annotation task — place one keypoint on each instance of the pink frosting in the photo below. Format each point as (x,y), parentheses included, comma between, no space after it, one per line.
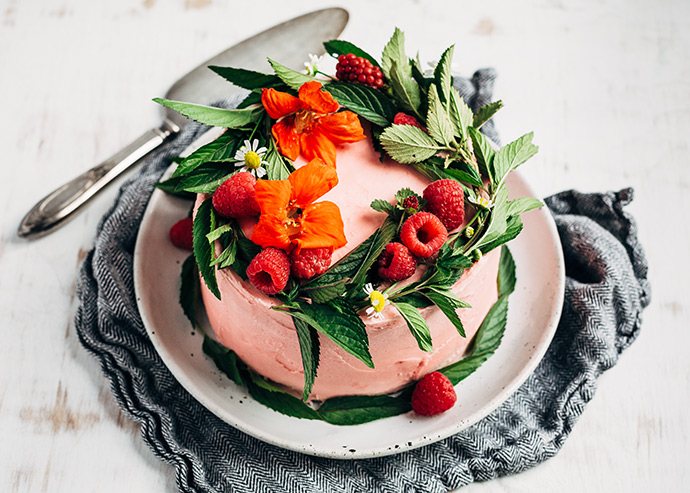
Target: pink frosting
(266,340)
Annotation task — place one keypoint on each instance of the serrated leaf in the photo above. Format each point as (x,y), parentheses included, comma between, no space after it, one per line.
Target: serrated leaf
(215,117)
(224,359)
(276,169)
(324,294)
(463,172)
(367,102)
(337,47)
(227,256)
(506,273)
(246,251)
(278,400)
(509,157)
(247,79)
(169,186)
(448,302)
(417,325)
(355,410)
(497,220)
(393,53)
(513,229)
(523,204)
(485,113)
(340,323)
(460,114)
(204,222)
(405,89)
(206,178)
(251,99)
(222,149)
(483,152)
(189,289)
(408,144)
(438,122)
(380,205)
(309,349)
(382,237)
(443,76)
(291,78)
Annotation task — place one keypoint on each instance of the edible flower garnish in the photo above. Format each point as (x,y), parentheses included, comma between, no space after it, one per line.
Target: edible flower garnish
(290,217)
(312,66)
(377,299)
(309,125)
(481,202)
(250,155)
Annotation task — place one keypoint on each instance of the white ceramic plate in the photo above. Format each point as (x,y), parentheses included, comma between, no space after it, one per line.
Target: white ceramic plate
(533,315)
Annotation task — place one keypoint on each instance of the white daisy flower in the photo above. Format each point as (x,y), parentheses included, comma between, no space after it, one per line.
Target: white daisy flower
(481,202)
(250,157)
(378,301)
(312,66)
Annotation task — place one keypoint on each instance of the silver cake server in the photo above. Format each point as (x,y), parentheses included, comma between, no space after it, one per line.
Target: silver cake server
(290,43)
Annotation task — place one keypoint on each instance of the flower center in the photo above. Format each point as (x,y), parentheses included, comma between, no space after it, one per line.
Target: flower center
(304,121)
(378,301)
(293,221)
(252,160)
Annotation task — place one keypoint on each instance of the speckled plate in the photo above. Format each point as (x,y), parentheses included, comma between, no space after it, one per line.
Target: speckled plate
(534,311)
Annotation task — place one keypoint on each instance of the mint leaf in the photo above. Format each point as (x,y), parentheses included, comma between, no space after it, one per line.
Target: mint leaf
(513,229)
(506,273)
(405,88)
(224,359)
(523,204)
(485,113)
(448,302)
(204,223)
(384,206)
(190,289)
(497,219)
(215,117)
(337,47)
(323,294)
(393,53)
(460,114)
(279,401)
(463,172)
(246,251)
(354,410)
(417,325)
(438,122)
(222,149)
(309,348)
(382,237)
(251,99)
(367,102)
(169,186)
(276,169)
(227,257)
(483,152)
(340,323)
(292,78)
(205,179)
(443,76)
(489,334)
(408,144)
(511,156)
(247,79)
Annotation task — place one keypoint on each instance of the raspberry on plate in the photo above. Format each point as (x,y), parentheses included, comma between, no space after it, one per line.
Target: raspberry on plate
(181,234)
(269,271)
(351,68)
(424,234)
(310,262)
(396,263)
(433,394)
(235,197)
(446,200)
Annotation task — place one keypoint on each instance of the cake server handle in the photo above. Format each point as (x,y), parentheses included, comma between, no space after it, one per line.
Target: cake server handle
(54,209)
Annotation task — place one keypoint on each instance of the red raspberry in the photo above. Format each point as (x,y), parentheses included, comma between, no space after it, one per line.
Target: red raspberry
(446,200)
(235,197)
(351,68)
(403,119)
(181,234)
(411,202)
(310,262)
(433,394)
(423,234)
(269,270)
(396,263)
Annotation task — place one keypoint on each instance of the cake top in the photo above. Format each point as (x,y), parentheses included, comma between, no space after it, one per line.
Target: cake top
(263,181)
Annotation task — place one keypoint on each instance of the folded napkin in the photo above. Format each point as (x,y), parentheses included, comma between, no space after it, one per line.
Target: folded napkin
(606,290)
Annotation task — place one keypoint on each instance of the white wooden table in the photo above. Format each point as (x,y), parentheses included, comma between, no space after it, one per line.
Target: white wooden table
(605,85)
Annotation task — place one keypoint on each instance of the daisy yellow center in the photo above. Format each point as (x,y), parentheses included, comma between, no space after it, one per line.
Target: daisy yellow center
(252,160)
(377,301)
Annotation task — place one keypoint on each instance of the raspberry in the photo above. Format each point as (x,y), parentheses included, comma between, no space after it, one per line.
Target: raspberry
(423,234)
(396,263)
(181,234)
(403,119)
(309,262)
(411,202)
(446,200)
(269,270)
(235,197)
(351,68)
(433,394)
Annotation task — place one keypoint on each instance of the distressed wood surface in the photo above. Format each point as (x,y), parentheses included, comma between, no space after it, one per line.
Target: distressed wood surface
(605,85)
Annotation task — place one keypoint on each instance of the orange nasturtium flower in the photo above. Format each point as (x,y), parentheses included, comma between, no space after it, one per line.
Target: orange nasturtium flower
(290,219)
(309,124)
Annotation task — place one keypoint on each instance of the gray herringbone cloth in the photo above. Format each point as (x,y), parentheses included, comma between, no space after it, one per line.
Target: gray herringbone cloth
(606,290)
